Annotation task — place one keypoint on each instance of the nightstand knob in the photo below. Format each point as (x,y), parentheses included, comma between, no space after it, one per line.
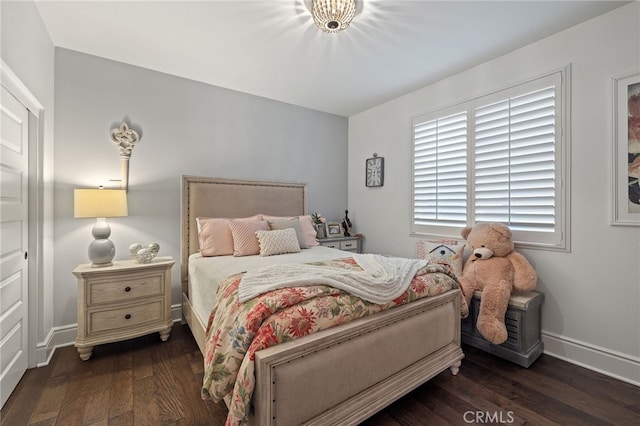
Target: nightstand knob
(127,316)
(127,288)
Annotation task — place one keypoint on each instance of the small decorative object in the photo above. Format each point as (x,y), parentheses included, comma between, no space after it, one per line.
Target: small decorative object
(319,224)
(626,151)
(334,230)
(346,224)
(144,254)
(126,139)
(100,204)
(321,230)
(375,171)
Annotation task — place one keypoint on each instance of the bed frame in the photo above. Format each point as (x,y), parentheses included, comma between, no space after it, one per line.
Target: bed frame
(342,375)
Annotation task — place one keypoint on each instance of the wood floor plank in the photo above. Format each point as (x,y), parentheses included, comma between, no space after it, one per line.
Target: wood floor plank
(145,404)
(75,398)
(169,406)
(99,399)
(188,391)
(122,386)
(123,419)
(51,400)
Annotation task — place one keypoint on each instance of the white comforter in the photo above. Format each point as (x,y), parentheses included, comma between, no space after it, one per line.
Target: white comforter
(381,280)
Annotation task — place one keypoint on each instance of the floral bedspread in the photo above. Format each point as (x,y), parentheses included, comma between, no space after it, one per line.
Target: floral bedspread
(236,331)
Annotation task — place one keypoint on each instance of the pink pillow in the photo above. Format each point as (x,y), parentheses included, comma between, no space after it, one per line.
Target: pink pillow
(214,235)
(245,241)
(308,230)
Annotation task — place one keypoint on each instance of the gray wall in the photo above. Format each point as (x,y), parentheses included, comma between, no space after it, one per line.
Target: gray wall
(29,53)
(186,128)
(590,314)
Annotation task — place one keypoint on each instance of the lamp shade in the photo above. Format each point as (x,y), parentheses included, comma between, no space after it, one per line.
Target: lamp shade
(100,203)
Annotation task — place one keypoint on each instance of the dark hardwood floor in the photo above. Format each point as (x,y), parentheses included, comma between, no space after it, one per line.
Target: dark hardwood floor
(147,382)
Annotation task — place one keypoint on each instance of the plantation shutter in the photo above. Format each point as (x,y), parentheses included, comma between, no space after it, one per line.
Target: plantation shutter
(514,161)
(440,170)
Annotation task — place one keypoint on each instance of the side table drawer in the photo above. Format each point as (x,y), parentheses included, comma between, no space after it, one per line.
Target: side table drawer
(107,291)
(349,245)
(335,245)
(124,317)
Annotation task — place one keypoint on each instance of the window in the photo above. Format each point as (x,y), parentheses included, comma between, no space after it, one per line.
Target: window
(498,158)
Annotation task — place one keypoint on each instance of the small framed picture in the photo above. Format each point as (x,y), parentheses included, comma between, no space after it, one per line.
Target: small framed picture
(334,230)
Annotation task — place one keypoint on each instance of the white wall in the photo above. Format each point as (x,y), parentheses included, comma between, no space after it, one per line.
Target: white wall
(29,53)
(590,314)
(186,127)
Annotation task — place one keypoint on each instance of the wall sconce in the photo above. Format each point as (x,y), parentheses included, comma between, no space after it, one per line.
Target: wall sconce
(126,139)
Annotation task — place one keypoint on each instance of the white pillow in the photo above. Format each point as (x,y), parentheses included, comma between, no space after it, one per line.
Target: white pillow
(290,223)
(278,242)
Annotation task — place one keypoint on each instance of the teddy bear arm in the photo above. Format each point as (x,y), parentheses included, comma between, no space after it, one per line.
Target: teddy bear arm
(525,277)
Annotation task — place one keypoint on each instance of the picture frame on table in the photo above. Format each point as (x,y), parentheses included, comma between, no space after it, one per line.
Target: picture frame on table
(626,150)
(334,230)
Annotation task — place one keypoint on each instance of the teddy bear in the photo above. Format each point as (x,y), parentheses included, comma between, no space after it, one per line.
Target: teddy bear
(496,269)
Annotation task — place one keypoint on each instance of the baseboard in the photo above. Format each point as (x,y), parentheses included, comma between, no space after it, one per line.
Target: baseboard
(620,366)
(65,335)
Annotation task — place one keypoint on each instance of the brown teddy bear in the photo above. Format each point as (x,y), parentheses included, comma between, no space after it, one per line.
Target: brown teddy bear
(497,270)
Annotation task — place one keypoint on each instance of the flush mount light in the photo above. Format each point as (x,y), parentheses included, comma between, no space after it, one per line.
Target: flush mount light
(333,16)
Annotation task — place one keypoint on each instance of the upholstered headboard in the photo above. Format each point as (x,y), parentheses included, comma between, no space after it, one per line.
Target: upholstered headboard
(213,197)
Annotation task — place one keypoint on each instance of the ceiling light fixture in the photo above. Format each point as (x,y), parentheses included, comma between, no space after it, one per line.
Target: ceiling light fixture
(332,16)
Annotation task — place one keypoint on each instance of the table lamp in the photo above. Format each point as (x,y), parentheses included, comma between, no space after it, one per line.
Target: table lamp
(100,204)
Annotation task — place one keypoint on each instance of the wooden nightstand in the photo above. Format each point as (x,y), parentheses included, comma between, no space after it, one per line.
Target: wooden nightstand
(123,301)
(353,243)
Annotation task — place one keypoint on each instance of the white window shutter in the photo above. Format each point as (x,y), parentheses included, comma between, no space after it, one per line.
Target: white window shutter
(515,162)
(440,171)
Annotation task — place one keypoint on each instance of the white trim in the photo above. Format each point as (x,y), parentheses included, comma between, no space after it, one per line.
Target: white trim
(63,336)
(614,364)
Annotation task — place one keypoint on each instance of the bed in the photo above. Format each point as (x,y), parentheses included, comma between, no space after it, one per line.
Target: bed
(340,375)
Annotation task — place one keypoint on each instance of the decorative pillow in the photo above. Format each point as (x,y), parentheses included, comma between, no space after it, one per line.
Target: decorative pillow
(306,223)
(245,242)
(214,235)
(278,242)
(442,252)
(290,223)
(309,230)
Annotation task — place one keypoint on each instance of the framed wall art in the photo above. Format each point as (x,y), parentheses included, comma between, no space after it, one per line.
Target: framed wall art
(626,150)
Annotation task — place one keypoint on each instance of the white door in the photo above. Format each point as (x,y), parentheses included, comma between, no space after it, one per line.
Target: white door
(13,243)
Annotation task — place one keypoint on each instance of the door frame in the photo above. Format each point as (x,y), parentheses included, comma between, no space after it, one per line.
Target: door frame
(35,220)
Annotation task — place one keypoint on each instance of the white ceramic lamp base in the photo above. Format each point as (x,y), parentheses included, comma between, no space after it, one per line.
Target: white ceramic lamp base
(101,250)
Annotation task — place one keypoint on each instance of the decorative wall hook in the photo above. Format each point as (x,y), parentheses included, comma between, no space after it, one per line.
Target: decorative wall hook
(126,139)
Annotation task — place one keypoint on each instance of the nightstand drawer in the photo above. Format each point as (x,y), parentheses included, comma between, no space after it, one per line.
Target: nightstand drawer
(335,244)
(349,245)
(125,317)
(102,291)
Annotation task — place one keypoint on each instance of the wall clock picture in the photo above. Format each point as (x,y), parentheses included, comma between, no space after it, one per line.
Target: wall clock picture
(375,171)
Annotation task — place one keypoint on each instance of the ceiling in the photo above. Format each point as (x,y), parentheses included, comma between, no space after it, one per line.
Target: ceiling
(272,48)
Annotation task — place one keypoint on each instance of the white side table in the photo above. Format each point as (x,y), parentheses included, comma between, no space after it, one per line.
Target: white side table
(122,301)
(352,243)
